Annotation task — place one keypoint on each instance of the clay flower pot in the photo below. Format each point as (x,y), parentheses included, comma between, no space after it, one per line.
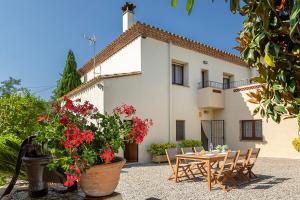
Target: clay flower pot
(35,166)
(101,180)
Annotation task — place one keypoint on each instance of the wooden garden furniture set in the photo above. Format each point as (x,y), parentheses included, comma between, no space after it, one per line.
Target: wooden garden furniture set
(219,168)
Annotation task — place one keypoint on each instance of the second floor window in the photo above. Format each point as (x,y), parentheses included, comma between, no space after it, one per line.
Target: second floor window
(85,78)
(177,74)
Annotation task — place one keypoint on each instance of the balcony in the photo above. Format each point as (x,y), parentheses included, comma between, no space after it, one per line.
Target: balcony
(223,86)
(211,93)
(211,97)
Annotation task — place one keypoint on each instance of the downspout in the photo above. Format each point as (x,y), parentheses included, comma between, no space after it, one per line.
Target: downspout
(170,88)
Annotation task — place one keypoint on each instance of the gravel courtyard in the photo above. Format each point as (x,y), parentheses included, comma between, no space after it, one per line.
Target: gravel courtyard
(278,179)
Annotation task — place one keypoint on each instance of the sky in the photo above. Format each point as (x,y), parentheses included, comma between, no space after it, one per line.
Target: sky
(36,35)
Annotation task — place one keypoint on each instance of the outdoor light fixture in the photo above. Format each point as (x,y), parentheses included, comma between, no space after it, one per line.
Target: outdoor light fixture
(205,62)
(100,86)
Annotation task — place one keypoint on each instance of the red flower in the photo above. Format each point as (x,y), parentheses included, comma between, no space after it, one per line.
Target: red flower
(64,120)
(70,180)
(140,129)
(128,110)
(69,104)
(107,155)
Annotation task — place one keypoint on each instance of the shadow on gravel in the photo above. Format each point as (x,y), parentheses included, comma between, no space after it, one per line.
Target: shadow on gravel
(263,182)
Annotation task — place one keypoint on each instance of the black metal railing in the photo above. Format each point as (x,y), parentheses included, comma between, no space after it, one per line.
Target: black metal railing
(218,85)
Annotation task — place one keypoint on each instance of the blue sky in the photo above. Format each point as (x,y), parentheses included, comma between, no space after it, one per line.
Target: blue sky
(35,35)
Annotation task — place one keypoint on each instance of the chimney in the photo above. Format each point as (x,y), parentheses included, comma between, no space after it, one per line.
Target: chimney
(128,14)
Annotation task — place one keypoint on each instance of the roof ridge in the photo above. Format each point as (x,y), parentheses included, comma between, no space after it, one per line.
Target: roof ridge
(187,38)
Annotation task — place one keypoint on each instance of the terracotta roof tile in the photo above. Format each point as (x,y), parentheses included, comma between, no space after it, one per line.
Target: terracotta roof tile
(142,29)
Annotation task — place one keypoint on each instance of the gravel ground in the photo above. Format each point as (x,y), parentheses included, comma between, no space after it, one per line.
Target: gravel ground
(278,179)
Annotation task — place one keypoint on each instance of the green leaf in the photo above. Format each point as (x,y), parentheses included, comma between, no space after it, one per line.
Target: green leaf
(256,110)
(189,6)
(269,60)
(280,109)
(292,86)
(277,87)
(173,3)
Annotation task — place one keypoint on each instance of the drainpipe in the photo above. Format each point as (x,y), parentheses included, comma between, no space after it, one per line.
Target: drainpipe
(170,88)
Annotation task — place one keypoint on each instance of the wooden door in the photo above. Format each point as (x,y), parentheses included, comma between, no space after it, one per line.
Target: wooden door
(131,152)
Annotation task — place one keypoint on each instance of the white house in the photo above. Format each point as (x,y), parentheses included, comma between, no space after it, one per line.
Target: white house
(189,89)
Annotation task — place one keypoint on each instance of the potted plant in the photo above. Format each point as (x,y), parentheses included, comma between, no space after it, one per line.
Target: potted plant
(158,151)
(222,148)
(190,143)
(83,143)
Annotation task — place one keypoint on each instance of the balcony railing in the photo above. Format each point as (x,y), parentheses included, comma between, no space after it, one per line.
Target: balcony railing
(218,85)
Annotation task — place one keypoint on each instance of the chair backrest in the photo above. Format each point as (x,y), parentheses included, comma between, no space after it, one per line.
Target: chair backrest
(230,161)
(253,156)
(187,150)
(198,149)
(171,155)
(244,157)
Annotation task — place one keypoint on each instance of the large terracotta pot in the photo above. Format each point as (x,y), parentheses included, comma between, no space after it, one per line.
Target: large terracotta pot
(101,180)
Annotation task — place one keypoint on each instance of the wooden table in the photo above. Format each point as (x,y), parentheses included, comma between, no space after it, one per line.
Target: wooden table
(199,157)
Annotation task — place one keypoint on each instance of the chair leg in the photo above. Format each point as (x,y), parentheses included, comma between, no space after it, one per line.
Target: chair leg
(186,174)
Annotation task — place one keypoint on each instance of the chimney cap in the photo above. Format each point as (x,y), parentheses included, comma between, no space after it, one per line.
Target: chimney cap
(128,7)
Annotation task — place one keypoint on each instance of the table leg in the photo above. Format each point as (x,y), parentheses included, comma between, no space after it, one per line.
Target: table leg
(208,174)
(176,170)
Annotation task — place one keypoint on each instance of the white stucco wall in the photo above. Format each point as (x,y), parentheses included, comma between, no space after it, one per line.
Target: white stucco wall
(94,95)
(153,95)
(128,59)
(277,138)
(147,92)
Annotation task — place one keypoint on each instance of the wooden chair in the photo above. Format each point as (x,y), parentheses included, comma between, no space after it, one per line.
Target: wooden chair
(196,166)
(226,171)
(242,164)
(252,160)
(183,169)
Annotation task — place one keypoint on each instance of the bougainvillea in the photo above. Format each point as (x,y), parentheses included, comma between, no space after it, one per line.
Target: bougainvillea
(78,136)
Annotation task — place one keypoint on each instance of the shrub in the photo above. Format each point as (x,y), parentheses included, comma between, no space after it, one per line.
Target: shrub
(18,114)
(296,143)
(190,143)
(159,149)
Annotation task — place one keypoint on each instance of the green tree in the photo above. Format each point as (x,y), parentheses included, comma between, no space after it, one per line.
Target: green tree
(270,42)
(70,78)
(10,86)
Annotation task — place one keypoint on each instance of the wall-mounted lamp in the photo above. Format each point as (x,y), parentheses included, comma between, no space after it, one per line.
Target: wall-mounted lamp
(205,62)
(100,86)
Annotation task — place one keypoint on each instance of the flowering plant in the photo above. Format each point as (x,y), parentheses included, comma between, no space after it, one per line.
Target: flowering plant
(78,136)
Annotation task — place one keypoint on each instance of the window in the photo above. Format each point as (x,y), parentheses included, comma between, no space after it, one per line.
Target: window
(227,81)
(204,78)
(180,130)
(251,129)
(85,78)
(177,74)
